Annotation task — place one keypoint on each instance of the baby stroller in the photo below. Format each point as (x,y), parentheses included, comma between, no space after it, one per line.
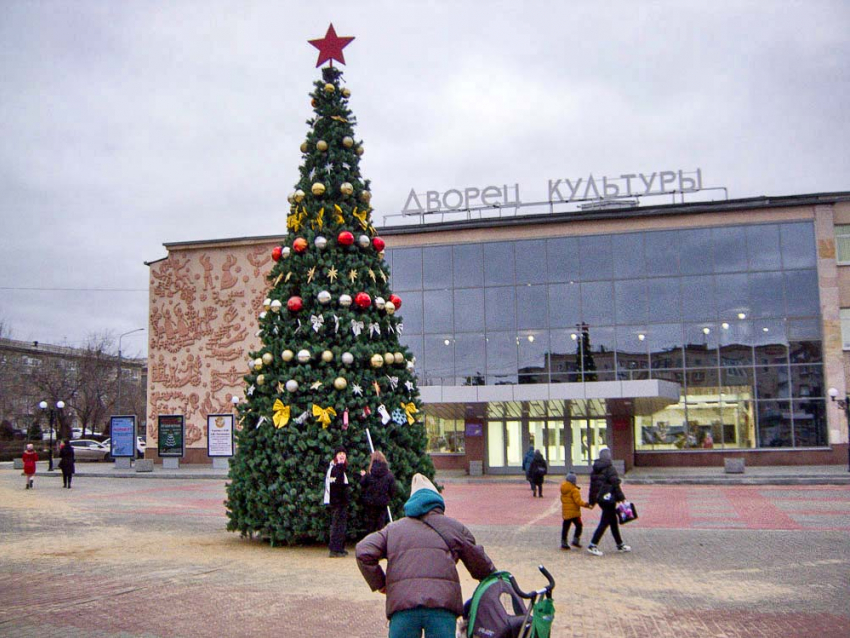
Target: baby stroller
(498,609)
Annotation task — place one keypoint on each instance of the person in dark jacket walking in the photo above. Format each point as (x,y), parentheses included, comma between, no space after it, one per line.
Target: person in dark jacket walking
(336,495)
(605,491)
(421,581)
(378,489)
(66,463)
(537,471)
(526,466)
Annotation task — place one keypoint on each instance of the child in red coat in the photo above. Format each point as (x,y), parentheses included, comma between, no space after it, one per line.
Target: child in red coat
(30,456)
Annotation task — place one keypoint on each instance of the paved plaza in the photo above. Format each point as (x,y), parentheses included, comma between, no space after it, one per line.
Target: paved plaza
(148,558)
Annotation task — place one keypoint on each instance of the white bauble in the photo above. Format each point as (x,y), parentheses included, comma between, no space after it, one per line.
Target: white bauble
(347,358)
(363,241)
(380,303)
(303,356)
(320,242)
(266,303)
(275,307)
(286,252)
(345,301)
(263,315)
(324,297)
(291,385)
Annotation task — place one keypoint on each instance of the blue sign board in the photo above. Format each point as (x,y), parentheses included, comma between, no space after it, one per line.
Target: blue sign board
(122,429)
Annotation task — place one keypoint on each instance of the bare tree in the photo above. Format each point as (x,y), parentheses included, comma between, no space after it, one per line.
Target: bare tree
(95,392)
(56,379)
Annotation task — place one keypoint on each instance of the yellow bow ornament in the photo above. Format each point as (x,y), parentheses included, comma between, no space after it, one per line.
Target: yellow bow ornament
(281,414)
(410,410)
(323,415)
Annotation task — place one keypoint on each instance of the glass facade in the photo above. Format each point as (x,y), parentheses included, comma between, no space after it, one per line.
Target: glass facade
(730,313)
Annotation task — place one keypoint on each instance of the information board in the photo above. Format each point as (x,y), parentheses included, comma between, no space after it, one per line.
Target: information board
(220,435)
(170,435)
(122,433)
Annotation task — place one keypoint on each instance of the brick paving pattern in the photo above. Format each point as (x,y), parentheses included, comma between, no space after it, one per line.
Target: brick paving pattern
(116,558)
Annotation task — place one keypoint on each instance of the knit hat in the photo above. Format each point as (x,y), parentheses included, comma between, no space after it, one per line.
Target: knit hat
(605,454)
(571,478)
(421,482)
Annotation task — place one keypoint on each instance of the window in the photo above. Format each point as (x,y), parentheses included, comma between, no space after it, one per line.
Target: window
(445,436)
(845,328)
(842,244)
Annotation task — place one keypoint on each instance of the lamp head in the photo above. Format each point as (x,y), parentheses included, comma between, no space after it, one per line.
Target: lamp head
(43,405)
(832,393)
(60,404)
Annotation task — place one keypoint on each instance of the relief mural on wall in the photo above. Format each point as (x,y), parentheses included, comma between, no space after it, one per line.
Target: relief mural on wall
(204,304)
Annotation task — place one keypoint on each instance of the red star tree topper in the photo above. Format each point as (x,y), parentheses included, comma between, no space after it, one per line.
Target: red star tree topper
(330,47)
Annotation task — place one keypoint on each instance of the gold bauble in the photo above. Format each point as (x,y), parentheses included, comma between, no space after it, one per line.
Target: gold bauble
(329,88)
(267,358)
(340,383)
(398,357)
(287,355)
(327,356)
(389,358)
(258,364)
(366,197)
(348,141)
(346,93)
(360,150)
(304,147)
(346,188)
(377,361)
(261,379)
(322,145)
(299,196)
(318,188)
(389,308)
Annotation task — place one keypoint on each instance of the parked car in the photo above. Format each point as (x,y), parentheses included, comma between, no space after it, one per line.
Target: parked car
(141,444)
(89,450)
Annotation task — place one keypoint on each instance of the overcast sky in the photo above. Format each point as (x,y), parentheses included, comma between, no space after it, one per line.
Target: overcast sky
(128,124)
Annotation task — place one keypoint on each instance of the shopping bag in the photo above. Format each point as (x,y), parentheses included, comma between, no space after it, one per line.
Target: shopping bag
(626,512)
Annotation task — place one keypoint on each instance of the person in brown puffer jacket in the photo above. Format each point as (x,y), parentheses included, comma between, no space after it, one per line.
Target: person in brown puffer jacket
(421,582)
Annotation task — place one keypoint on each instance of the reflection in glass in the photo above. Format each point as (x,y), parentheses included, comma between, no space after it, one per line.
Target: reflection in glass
(531,305)
(597,302)
(470,359)
(438,364)
(495,444)
(807,381)
(468,265)
(701,345)
(531,262)
(664,342)
(801,293)
(798,245)
(733,297)
(564,305)
(596,257)
(501,357)
(631,301)
(437,267)
(628,256)
(736,339)
(414,344)
(774,424)
(772,382)
(664,300)
(771,344)
(469,303)
(730,249)
(439,315)
(695,251)
(810,423)
(533,356)
(632,353)
(563,258)
(407,269)
(766,295)
(499,264)
(698,298)
(500,308)
(763,246)
(411,313)
(662,253)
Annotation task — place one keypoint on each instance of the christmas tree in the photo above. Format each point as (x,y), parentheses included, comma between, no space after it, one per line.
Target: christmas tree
(331,365)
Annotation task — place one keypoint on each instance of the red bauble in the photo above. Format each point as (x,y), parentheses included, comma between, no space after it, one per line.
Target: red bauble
(276,251)
(345,238)
(299,245)
(363,300)
(378,243)
(396,301)
(294,304)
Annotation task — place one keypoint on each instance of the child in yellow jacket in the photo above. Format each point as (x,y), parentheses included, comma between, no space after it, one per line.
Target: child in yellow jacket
(571,504)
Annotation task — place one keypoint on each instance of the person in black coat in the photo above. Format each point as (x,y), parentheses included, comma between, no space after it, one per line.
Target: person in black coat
(66,464)
(378,485)
(536,471)
(605,491)
(336,495)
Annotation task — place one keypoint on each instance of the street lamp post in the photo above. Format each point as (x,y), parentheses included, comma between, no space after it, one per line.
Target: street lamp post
(580,340)
(52,419)
(118,389)
(843,404)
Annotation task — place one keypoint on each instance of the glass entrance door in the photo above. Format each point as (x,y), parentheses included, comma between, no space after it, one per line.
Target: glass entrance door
(588,436)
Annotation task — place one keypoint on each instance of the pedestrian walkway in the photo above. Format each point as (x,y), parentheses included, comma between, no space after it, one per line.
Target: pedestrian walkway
(753,475)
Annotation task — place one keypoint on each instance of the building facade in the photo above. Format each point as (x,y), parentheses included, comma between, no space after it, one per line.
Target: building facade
(676,335)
